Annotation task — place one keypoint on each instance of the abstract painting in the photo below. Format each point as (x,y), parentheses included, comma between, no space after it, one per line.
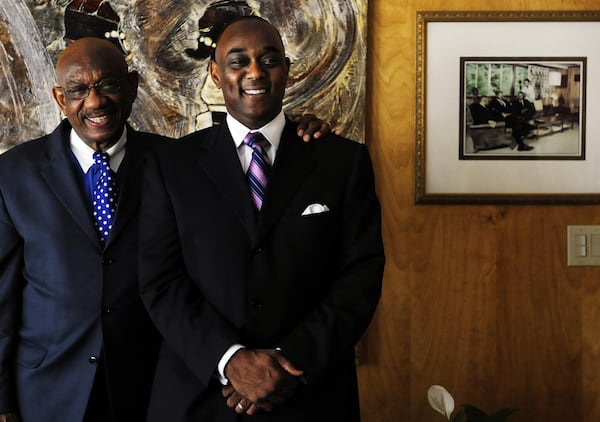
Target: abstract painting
(169,44)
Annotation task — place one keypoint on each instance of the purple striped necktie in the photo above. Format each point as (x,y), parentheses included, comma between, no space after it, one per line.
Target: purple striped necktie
(260,167)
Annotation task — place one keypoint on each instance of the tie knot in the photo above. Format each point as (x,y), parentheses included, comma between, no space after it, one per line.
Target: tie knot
(102,158)
(256,140)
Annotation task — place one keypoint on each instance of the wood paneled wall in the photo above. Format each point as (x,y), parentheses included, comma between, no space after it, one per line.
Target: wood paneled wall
(476,298)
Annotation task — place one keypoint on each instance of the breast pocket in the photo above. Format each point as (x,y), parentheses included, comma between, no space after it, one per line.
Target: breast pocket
(311,233)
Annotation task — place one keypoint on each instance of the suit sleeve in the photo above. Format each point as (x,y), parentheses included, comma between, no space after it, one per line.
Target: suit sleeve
(333,328)
(191,327)
(11,284)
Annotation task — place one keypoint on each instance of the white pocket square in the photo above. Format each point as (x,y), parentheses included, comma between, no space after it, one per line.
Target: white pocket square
(315,209)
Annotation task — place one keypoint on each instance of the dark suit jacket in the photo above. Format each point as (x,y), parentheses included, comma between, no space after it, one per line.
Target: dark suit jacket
(499,108)
(213,275)
(481,114)
(523,111)
(63,296)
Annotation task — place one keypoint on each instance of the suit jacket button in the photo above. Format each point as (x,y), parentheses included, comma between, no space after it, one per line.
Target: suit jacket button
(106,310)
(93,360)
(256,304)
(106,261)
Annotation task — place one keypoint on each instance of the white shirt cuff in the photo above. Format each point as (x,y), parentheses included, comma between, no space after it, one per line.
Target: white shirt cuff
(223,362)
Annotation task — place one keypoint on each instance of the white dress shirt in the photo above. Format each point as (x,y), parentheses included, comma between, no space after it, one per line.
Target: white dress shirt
(85,153)
(272,131)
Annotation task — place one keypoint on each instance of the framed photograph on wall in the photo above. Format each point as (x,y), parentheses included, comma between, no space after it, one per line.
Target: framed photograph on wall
(511,107)
(502,107)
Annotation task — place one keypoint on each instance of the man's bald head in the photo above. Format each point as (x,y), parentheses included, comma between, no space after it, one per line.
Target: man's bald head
(89,51)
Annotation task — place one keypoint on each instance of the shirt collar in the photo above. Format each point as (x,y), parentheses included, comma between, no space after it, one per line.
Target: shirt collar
(272,130)
(85,154)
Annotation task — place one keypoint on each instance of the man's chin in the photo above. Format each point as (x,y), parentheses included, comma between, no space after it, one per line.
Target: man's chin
(101,139)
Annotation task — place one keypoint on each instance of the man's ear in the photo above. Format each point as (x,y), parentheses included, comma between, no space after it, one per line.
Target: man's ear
(133,78)
(59,97)
(213,68)
(133,81)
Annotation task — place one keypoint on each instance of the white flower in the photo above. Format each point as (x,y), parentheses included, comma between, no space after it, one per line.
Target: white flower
(441,400)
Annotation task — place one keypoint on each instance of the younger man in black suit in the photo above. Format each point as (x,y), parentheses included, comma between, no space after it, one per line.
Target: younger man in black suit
(266,297)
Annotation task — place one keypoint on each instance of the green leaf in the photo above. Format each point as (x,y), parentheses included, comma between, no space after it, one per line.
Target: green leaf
(474,414)
(501,415)
(460,416)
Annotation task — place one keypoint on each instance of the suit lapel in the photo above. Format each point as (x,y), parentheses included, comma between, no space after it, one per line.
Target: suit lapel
(130,184)
(60,173)
(222,166)
(293,162)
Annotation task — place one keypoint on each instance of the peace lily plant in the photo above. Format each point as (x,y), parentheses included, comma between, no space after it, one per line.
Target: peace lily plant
(442,402)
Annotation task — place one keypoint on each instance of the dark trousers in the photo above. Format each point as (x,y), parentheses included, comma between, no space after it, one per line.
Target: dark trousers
(520,129)
(99,408)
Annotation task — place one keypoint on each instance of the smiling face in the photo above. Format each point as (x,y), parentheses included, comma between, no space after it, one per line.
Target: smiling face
(98,119)
(251,68)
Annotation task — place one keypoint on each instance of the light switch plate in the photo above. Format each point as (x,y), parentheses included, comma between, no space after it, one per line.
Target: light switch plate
(583,245)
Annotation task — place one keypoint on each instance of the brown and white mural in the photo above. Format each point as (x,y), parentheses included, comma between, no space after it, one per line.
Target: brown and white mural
(169,44)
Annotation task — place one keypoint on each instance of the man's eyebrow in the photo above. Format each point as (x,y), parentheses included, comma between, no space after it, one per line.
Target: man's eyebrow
(272,49)
(235,50)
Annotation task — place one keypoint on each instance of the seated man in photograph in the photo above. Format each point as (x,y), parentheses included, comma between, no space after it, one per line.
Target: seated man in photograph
(482,113)
(500,107)
(521,114)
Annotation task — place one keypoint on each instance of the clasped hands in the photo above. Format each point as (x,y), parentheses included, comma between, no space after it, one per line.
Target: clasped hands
(261,379)
(9,417)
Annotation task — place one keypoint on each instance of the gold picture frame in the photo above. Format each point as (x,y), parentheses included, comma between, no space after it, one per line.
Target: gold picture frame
(542,44)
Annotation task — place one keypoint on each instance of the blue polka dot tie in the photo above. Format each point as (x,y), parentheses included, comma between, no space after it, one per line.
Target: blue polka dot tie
(260,167)
(105,196)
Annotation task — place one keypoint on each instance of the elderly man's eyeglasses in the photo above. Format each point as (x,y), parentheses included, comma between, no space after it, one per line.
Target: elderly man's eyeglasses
(102,87)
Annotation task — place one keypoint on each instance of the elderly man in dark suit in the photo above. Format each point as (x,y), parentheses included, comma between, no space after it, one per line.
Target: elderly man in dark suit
(76,343)
(262,287)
